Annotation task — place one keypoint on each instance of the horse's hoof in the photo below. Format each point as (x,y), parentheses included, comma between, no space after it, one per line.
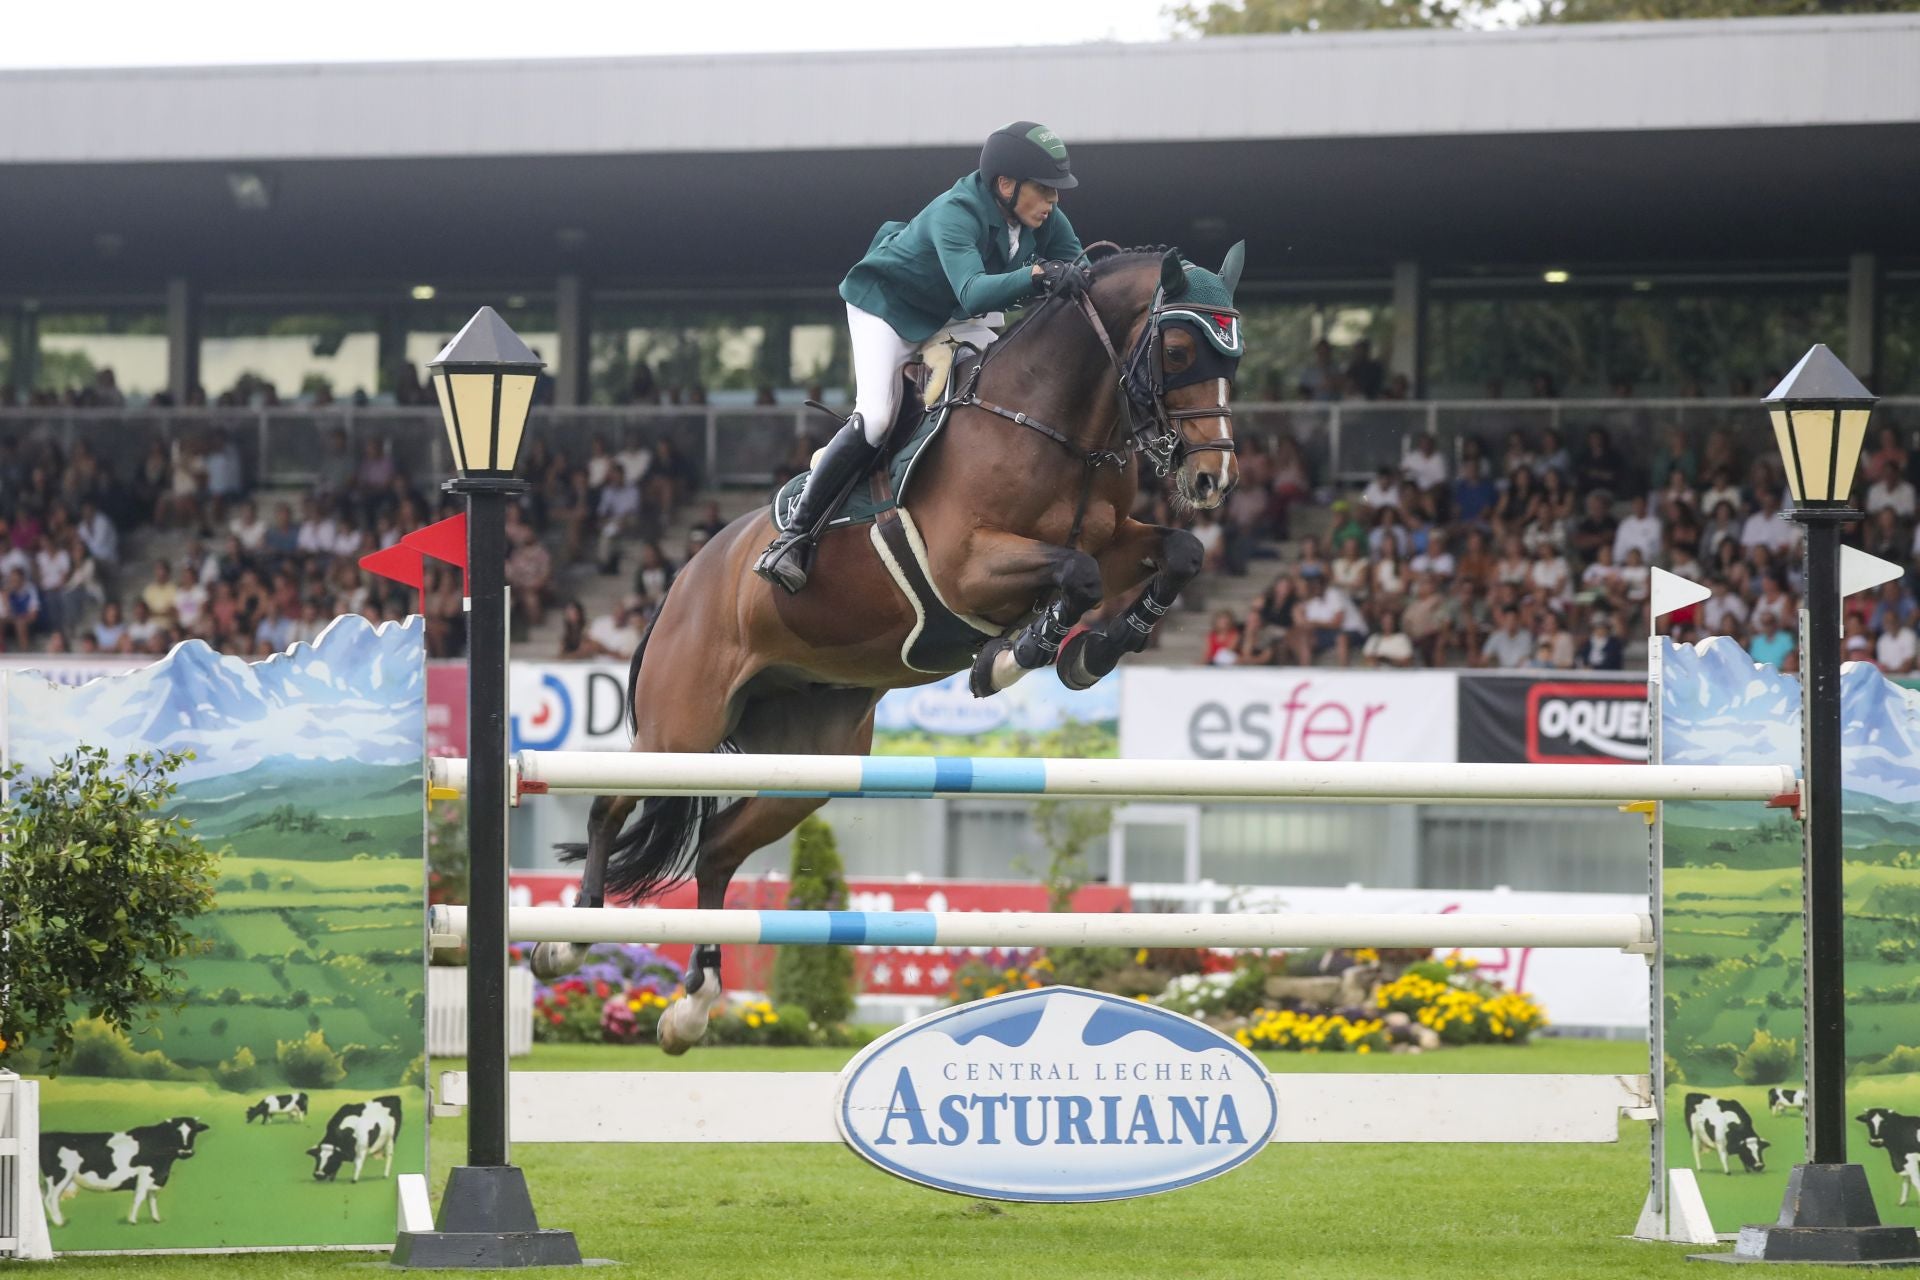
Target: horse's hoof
(555,960)
(1080,663)
(994,668)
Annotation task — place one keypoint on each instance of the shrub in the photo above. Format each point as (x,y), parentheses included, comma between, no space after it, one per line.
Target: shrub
(1769,1059)
(308,1063)
(99,1048)
(97,888)
(817,978)
(238,1073)
(1903,1060)
(978,979)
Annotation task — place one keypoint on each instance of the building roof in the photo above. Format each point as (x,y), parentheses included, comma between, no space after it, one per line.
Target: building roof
(1750,140)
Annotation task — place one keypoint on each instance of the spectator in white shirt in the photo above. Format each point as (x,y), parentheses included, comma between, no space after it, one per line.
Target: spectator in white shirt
(1897,649)
(1382,491)
(1323,624)
(97,531)
(1765,528)
(1436,559)
(1891,490)
(190,601)
(1508,646)
(616,634)
(1638,531)
(619,514)
(248,526)
(1425,465)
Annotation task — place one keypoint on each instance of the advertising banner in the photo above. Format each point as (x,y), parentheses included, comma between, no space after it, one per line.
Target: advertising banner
(902,971)
(945,719)
(1565,719)
(1288,713)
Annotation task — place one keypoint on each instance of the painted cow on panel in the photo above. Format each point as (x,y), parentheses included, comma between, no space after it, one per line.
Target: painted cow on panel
(291,1105)
(1780,1101)
(138,1160)
(357,1132)
(1899,1136)
(1721,1125)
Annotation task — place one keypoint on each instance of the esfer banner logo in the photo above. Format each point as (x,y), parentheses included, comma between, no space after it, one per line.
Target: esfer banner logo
(1056,1095)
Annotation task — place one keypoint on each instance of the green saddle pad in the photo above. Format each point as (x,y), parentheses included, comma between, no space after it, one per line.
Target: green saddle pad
(860,507)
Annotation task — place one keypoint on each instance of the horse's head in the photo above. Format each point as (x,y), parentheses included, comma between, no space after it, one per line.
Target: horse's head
(1179,377)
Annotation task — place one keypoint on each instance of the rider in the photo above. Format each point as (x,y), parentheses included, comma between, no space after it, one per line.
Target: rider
(996,237)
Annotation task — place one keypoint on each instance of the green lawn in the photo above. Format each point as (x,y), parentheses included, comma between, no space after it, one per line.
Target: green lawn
(1327,1212)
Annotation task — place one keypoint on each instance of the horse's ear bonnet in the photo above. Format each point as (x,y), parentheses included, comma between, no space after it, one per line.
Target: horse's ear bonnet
(1231,264)
(1173,275)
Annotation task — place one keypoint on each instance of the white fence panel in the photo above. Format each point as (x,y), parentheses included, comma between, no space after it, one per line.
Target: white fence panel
(23,1222)
(447,1012)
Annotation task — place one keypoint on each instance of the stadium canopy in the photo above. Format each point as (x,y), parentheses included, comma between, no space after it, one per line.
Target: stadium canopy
(1721,145)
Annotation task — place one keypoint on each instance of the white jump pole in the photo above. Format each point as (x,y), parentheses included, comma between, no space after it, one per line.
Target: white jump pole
(679,774)
(1055,929)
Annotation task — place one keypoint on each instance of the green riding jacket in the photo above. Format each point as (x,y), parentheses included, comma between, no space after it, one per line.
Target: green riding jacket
(952,262)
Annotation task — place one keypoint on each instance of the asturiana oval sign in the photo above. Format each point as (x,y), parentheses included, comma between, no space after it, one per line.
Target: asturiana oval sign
(1057,1094)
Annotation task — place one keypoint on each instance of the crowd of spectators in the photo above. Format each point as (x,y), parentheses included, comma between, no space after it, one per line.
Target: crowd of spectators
(256,571)
(1529,551)
(1538,554)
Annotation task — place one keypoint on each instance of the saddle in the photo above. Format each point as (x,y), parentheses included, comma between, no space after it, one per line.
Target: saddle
(943,640)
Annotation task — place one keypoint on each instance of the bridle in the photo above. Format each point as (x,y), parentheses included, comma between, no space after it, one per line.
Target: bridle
(1153,428)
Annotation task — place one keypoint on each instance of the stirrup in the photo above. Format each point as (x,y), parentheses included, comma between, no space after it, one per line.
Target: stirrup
(777,564)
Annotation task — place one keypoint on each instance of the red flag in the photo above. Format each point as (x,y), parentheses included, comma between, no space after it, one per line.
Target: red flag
(444,540)
(398,563)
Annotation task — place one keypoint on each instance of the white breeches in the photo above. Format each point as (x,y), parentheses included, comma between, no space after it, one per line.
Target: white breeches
(879,354)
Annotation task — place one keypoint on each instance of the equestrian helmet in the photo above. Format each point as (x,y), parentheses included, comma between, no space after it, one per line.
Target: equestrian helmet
(1028,152)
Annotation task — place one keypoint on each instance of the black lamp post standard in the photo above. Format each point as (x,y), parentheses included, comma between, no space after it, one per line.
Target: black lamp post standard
(1819,414)
(485,380)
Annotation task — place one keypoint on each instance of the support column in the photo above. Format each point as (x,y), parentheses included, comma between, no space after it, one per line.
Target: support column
(391,352)
(24,349)
(1409,354)
(183,340)
(1864,328)
(570,385)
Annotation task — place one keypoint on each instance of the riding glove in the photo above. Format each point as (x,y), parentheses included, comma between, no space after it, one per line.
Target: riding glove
(1060,277)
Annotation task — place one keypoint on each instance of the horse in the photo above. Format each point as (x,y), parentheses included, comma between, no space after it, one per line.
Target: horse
(1024,526)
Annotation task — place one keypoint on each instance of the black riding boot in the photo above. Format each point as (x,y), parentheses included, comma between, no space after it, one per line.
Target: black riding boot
(789,557)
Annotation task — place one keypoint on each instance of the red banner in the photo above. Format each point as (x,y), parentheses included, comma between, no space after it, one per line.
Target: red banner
(447,709)
(913,971)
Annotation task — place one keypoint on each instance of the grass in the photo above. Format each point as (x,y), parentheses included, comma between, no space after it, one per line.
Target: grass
(1358,1212)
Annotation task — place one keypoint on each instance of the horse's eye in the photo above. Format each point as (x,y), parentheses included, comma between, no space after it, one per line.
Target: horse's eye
(1179,357)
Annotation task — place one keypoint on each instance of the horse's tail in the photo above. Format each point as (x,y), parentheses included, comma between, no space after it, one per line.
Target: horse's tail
(658,847)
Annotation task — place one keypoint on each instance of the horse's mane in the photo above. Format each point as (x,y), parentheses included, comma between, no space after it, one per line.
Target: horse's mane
(1103,258)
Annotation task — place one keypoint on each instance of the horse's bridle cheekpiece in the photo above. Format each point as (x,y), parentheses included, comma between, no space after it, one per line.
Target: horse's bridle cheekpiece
(1144,380)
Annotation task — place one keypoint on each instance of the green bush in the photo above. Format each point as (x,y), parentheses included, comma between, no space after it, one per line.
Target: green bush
(238,1073)
(308,1063)
(96,889)
(98,1048)
(1769,1059)
(817,978)
(1904,1060)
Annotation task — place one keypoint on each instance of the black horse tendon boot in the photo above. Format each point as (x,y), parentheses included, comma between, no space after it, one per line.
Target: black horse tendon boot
(789,557)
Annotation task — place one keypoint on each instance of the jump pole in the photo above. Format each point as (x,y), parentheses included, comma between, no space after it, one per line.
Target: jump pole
(1019,929)
(922,777)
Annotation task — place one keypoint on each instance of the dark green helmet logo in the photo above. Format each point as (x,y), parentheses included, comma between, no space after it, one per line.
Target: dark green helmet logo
(1048,141)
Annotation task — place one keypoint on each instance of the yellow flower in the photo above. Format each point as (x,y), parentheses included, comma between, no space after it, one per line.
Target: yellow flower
(1140,956)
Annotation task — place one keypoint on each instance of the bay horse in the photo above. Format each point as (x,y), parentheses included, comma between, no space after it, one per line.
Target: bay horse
(1022,508)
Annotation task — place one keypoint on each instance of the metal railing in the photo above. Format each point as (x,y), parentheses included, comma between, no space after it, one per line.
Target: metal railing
(1342,441)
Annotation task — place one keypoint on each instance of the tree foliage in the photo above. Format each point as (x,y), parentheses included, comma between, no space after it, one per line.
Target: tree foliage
(96,889)
(1255,17)
(1067,827)
(817,978)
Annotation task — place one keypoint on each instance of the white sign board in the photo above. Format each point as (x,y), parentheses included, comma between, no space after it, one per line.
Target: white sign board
(1288,713)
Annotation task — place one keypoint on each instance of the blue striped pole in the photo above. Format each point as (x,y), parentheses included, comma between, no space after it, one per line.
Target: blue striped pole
(921,777)
(1017,929)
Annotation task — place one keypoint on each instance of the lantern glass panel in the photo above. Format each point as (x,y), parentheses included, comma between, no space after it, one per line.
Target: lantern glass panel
(1853,438)
(473,401)
(446,419)
(516,398)
(1813,436)
(1789,456)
